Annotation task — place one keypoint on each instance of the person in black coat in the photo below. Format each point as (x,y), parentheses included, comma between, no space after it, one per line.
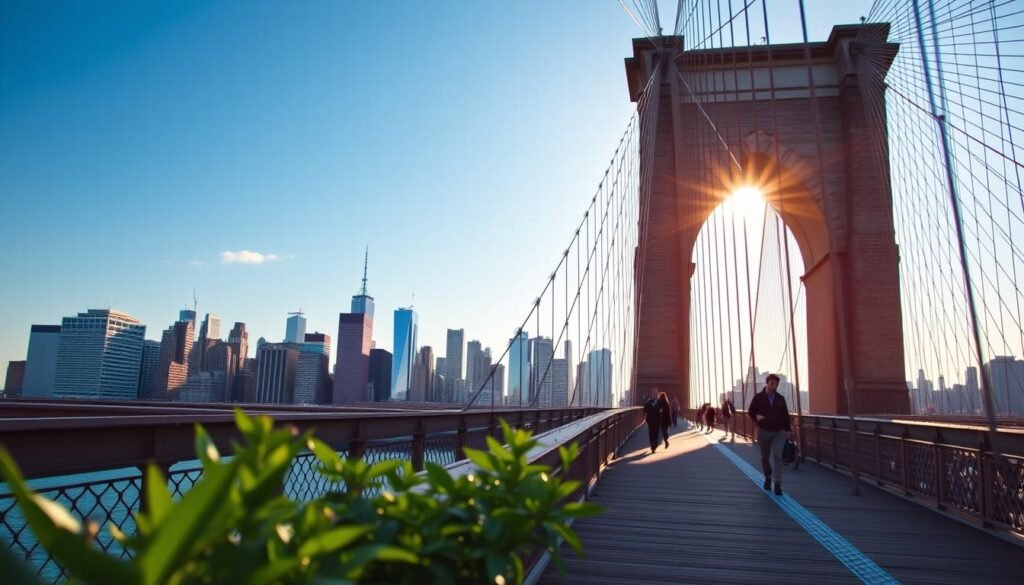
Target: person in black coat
(654,414)
(728,411)
(666,416)
(769,411)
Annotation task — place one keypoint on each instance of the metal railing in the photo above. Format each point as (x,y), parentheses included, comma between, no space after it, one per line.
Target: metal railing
(943,465)
(93,464)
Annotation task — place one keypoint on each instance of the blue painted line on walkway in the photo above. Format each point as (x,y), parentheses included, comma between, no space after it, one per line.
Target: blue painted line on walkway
(859,564)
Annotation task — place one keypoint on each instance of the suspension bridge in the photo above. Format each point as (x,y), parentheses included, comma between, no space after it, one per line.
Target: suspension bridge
(844,212)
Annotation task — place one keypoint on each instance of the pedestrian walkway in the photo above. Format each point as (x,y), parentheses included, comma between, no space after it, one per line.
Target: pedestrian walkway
(693,514)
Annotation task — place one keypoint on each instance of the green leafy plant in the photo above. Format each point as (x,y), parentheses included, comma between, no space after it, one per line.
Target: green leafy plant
(381,523)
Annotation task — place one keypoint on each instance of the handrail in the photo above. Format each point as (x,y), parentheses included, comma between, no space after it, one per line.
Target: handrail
(947,467)
(46,446)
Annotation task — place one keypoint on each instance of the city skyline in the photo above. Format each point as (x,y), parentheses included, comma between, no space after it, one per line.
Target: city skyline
(331,161)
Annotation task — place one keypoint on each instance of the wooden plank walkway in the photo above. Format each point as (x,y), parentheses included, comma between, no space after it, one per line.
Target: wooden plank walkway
(689,515)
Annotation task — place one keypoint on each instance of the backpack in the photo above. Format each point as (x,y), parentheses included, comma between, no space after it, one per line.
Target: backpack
(788,452)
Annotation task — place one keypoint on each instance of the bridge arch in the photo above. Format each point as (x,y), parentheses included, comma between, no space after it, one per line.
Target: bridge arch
(691,177)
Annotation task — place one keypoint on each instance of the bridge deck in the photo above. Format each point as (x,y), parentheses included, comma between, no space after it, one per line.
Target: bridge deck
(691,515)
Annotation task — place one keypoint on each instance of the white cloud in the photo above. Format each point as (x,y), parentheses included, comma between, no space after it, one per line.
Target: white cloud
(247,257)
(196,263)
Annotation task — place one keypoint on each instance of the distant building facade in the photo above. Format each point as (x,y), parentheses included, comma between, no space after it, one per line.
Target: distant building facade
(99,355)
(147,371)
(41,362)
(15,379)
(404,356)
(519,370)
(352,366)
(172,367)
(312,371)
(380,375)
(275,373)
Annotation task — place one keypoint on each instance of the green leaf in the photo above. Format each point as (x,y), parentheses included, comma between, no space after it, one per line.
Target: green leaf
(479,458)
(332,540)
(382,468)
(206,450)
(158,498)
(273,572)
(568,455)
(582,509)
(568,535)
(244,423)
(325,454)
(394,554)
(566,489)
(170,545)
(498,450)
(52,526)
(439,477)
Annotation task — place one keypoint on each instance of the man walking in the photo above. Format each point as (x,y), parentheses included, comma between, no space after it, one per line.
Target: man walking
(654,411)
(768,409)
(728,412)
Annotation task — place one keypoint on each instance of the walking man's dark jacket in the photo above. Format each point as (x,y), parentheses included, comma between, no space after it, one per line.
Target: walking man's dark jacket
(653,411)
(776,415)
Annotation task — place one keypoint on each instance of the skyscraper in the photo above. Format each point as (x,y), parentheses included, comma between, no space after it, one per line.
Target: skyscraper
(172,367)
(15,379)
(541,384)
(972,390)
(599,378)
(559,382)
(211,327)
(295,331)
(363,302)
(352,366)
(380,375)
(188,315)
(453,361)
(355,342)
(499,385)
(209,335)
(275,373)
(474,350)
(406,333)
(439,389)
(147,371)
(519,370)
(567,349)
(312,371)
(423,375)
(238,339)
(99,355)
(1007,376)
(41,363)
(484,386)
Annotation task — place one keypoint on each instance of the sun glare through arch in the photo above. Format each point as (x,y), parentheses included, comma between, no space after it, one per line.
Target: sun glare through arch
(746,203)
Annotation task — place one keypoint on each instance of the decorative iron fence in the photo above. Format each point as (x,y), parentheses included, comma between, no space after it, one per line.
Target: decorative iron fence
(92,464)
(943,465)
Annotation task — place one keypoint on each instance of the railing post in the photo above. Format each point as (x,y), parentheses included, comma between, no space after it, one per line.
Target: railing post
(356,445)
(905,461)
(492,426)
(817,440)
(460,439)
(940,483)
(835,444)
(878,454)
(986,486)
(419,445)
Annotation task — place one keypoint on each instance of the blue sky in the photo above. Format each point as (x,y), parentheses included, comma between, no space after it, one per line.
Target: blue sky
(459,140)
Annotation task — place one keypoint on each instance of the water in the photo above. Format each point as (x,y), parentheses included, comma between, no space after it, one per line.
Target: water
(112,497)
